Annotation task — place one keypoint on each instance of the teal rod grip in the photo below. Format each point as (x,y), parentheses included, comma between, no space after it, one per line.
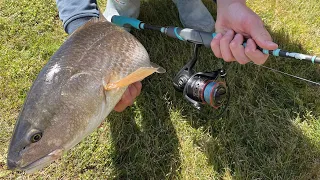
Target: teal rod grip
(122,21)
(177,34)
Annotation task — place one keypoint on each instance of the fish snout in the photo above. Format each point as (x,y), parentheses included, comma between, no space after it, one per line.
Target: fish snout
(11,164)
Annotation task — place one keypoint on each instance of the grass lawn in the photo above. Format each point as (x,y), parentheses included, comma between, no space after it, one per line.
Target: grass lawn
(271,129)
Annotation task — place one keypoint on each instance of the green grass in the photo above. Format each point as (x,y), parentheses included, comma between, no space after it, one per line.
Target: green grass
(271,129)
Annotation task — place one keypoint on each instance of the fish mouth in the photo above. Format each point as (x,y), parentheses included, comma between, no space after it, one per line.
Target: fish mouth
(40,163)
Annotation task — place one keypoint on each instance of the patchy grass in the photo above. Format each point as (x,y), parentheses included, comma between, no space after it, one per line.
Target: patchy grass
(270,131)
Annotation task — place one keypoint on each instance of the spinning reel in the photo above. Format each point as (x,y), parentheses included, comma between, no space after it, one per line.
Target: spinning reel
(201,88)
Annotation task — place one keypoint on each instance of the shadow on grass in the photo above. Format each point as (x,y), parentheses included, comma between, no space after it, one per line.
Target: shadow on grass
(258,136)
(145,140)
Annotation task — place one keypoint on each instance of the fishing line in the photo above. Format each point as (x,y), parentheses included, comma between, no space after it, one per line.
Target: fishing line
(281,72)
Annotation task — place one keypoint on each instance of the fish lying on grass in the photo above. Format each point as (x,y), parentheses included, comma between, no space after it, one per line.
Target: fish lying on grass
(75,92)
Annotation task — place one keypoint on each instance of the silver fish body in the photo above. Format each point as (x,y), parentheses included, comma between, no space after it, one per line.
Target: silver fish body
(68,101)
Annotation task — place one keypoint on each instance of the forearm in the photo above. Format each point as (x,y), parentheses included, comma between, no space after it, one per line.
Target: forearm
(75,13)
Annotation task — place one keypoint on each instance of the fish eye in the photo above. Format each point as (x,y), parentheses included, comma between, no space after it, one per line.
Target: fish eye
(36,137)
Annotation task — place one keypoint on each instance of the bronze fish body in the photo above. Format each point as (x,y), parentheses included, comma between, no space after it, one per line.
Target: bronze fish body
(75,91)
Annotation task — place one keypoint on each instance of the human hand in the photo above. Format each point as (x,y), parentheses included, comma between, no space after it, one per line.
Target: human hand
(128,96)
(235,22)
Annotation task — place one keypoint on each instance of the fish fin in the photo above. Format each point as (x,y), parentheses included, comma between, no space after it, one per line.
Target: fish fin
(137,75)
(159,68)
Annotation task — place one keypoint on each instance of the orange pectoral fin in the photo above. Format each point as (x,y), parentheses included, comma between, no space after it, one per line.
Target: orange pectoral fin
(137,75)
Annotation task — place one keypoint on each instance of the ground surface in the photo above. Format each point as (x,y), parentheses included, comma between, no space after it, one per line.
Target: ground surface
(271,129)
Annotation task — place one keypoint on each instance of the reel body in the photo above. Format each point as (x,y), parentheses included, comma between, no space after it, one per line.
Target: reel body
(203,87)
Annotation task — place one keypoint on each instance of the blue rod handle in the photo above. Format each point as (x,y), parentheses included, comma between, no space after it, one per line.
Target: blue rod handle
(123,21)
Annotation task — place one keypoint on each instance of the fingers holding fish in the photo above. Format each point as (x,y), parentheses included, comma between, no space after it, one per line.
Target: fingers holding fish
(129,96)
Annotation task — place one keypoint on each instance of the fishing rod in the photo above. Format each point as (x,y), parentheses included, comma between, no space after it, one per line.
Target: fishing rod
(201,37)
(205,87)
